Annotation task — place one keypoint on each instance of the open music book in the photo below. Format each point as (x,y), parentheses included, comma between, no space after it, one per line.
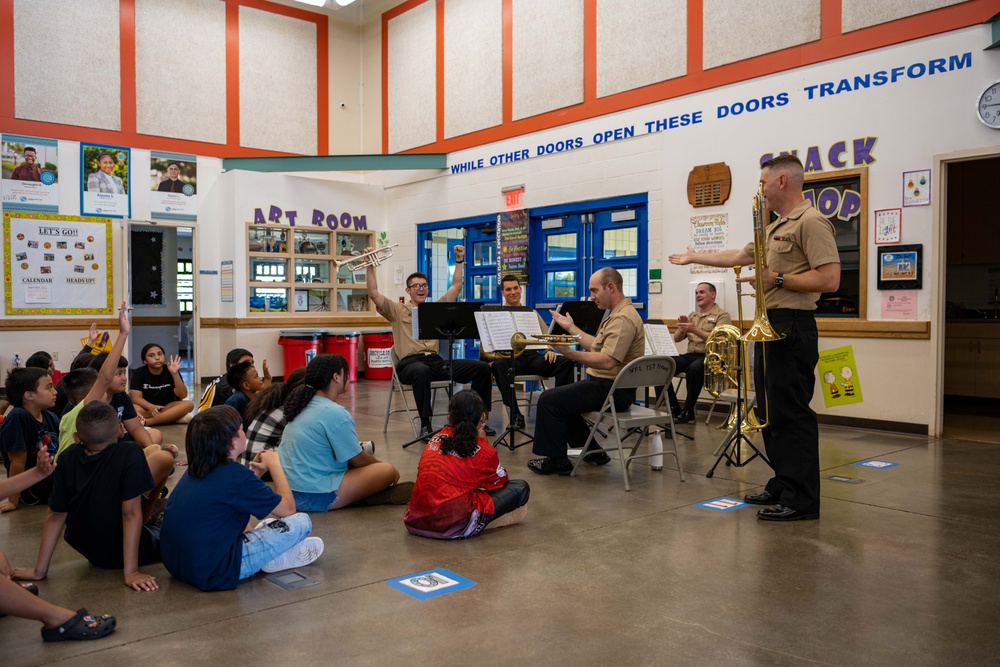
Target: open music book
(496,327)
(659,340)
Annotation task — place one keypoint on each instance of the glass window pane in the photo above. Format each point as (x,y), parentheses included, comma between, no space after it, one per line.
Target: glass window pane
(268,299)
(484,254)
(267,270)
(621,242)
(560,247)
(312,243)
(351,300)
(560,284)
(630,282)
(484,288)
(312,271)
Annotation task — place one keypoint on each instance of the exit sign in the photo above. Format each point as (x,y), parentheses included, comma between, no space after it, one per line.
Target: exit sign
(512,196)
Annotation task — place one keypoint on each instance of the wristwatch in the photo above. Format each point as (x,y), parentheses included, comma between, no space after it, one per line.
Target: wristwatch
(779,281)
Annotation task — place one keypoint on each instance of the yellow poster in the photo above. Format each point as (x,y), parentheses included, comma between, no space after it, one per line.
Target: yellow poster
(838,376)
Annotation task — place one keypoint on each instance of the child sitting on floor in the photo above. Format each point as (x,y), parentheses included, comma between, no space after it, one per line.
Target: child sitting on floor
(158,396)
(267,416)
(461,487)
(219,390)
(30,426)
(58,623)
(204,538)
(246,382)
(326,465)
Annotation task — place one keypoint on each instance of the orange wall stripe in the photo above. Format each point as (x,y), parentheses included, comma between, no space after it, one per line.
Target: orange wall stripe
(589,50)
(6,61)
(439,73)
(232,74)
(830,18)
(322,86)
(126,22)
(696,36)
(902,30)
(507,83)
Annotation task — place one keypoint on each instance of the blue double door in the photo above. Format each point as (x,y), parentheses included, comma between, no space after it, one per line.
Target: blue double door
(568,243)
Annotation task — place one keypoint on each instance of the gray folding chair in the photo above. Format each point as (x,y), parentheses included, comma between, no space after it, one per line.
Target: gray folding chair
(529,396)
(399,386)
(648,371)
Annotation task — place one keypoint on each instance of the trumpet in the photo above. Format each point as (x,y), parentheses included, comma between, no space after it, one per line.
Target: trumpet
(364,260)
(519,343)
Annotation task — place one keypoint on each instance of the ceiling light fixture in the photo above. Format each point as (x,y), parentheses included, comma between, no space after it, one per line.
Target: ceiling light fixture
(344,3)
(314,3)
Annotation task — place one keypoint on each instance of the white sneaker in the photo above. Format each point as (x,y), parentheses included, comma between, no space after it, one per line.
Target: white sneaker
(368,447)
(302,554)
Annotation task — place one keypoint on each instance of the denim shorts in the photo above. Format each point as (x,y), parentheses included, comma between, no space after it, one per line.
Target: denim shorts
(313,502)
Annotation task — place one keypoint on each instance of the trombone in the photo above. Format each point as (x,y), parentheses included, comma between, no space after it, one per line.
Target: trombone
(519,343)
(364,260)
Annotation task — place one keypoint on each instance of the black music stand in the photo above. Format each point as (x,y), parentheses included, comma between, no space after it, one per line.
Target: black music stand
(507,438)
(734,439)
(446,320)
(586,315)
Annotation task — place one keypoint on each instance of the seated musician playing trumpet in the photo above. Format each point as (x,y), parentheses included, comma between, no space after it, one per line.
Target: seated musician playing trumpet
(419,361)
(548,364)
(619,340)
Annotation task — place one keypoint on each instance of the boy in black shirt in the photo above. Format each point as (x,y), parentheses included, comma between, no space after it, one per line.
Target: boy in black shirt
(245,381)
(219,391)
(31,425)
(97,494)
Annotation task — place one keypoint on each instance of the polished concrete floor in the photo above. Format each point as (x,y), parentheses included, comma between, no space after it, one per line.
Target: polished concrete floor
(901,569)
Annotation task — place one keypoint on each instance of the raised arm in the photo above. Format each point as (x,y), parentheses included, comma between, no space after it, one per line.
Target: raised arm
(110,366)
(174,368)
(377,297)
(459,278)
(723,258)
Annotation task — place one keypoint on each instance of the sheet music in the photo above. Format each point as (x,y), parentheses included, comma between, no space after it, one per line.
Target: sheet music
(416,323)
(498,325)
(659,340)
(527,322)
(485,341)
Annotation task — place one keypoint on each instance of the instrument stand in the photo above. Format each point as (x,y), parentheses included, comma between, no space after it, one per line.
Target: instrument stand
(735,438)
(507,438)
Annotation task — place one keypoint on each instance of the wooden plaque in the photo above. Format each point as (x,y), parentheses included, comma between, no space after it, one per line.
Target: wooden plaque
(709,184)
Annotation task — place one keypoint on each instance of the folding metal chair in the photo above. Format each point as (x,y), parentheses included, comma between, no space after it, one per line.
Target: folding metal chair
(648,371)
(399,386)
(529,396)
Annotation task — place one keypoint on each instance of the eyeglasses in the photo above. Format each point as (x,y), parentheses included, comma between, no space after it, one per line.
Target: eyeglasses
(418,286)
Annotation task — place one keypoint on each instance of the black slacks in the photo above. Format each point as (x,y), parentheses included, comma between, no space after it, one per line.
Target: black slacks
(420,370)
(531,363)
(560,424)
(693,364)
(792,435)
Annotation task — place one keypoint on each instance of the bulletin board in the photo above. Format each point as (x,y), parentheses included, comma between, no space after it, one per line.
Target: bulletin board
(57,264)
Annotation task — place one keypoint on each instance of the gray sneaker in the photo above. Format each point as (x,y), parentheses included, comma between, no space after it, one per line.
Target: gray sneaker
(368,447)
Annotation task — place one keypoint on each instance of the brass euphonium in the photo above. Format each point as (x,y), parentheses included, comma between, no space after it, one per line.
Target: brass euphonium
(519,343)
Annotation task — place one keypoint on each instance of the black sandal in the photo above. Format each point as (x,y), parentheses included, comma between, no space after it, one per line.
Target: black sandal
(83,626)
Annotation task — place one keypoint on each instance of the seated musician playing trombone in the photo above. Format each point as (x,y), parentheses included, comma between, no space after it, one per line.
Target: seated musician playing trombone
(620,339)
(419,361)
(549,364)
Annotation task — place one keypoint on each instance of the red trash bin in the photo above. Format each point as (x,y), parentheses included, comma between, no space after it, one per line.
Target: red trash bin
(298,348)
(378,348)
(346,345)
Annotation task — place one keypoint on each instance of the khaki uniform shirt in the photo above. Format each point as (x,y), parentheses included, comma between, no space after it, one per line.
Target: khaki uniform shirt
(620,336)
(796,243)
(400,316)
(706,322)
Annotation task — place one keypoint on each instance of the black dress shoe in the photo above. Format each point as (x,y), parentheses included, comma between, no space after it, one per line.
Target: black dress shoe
(685,417)
(545,466)
(762,498)
(488,430)
(426,432)
(782,513)
(597,458)
(518,421)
